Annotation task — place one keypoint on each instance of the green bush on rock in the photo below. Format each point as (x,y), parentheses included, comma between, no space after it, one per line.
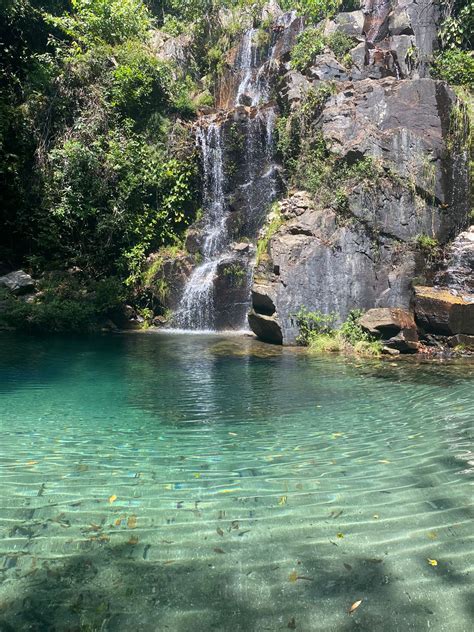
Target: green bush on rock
(318,332)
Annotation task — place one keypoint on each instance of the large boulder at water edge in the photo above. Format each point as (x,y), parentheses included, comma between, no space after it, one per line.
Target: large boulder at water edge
(18,282)
(396,327)
(441,311)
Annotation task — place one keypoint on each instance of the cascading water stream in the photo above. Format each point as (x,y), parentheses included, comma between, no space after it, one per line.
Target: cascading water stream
(256,188)
(196,308)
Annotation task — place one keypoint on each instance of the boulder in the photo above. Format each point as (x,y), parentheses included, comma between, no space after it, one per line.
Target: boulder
(266,328)
(462,340)
(440,311)
(18,282)
(271,11)
(327,68)
(350,23)
(387,322)
(396,327)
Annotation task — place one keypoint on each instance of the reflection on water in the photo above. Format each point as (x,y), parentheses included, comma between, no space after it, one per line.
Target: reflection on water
(164,482)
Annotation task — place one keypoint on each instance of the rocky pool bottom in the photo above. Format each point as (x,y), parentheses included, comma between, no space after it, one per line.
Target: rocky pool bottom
(196,483)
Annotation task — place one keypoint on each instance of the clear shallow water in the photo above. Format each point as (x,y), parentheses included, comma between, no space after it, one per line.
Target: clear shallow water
(194,483)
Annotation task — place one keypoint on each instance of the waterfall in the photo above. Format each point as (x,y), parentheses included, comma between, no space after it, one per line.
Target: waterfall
(197,303)
(239,186)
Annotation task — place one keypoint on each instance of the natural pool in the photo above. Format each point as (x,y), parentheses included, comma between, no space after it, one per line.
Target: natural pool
(196,483)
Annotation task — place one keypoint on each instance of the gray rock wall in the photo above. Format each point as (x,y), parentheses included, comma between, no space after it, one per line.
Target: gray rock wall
(366,256)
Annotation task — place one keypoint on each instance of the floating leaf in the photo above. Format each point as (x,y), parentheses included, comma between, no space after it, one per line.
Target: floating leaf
(432,562)
(112,498)
(118,522)
(354,606)
(132,522)
(282,500)
(348,567)
(133,540)
(293,576)
(32,462)
(340,535)
(217,549)
(233,434)
(376,516)
(384,461)
(197,475)
(220,532)
(226,491)
(432,535)
(336,435)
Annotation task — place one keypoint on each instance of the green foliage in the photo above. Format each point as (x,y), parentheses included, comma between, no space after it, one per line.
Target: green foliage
(458,24)
(315,10)
(309,44)
(428,245)
(96,170)
(340,44)
(313,323)
(455,66)
(351,330)
(104,21)
(236,274)
(64,304)
(312,42)
(274,222)
(317,331)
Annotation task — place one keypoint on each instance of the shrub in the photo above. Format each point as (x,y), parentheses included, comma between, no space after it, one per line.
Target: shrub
(309,44)
(317,331)
(274,222)
(311,324)
(455,66)
(325,343)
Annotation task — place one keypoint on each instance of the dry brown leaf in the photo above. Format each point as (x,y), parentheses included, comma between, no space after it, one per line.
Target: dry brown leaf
(354,606)
(132,522)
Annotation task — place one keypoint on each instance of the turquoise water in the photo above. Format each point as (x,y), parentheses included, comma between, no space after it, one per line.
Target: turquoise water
(196,483)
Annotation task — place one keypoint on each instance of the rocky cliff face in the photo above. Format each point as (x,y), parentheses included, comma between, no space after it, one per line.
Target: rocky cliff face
(385,108)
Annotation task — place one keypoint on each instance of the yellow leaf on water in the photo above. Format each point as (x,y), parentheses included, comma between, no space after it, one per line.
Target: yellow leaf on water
(340,535)
(282,500)
(232,434)
(132,522)
(293,576)
(432,562)
(226,491)
(112,499)
(336,435)
(432,535)
(32,462)
(384,461)
(133,540)
(354,606)
(197,475)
